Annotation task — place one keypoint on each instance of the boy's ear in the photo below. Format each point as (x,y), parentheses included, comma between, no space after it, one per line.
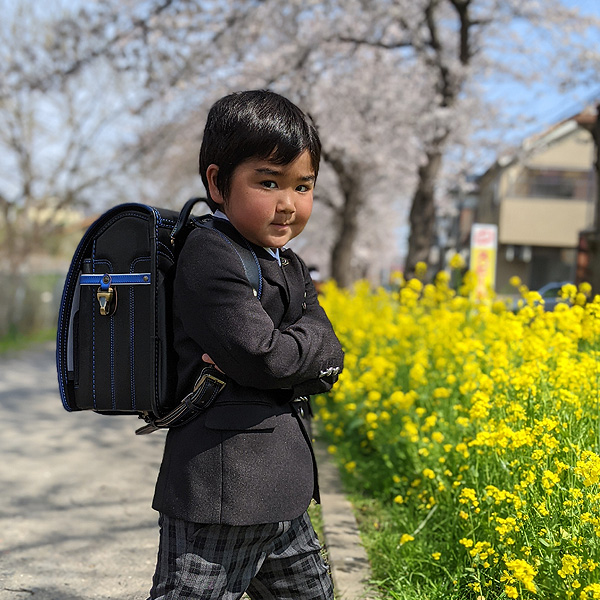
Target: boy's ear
(211,176)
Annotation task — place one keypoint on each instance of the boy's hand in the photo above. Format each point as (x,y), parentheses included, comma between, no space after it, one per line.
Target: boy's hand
(207,359)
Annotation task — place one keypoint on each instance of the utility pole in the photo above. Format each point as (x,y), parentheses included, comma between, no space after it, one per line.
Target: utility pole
(594,129)
(591,266)
(594,242)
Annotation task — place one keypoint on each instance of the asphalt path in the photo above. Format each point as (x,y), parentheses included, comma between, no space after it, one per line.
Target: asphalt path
(75,493)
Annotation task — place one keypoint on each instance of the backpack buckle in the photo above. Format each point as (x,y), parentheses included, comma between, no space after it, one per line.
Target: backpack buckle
(107,297)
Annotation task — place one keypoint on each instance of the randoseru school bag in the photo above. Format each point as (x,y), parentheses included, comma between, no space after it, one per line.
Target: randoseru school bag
(114,350)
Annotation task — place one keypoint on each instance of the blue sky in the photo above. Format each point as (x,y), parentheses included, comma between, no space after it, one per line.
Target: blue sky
(546,105)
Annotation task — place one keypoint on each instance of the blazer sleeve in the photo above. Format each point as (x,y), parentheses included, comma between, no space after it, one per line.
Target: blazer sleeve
(328,376)
(219,311)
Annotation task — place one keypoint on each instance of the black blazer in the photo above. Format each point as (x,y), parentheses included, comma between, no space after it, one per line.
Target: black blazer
(248,459)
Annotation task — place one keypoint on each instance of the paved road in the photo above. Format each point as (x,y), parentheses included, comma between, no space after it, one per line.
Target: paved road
(75,493)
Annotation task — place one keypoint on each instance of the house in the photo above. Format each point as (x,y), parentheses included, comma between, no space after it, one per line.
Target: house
(541,198)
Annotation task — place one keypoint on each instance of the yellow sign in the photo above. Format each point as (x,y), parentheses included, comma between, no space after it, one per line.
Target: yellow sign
(484,245)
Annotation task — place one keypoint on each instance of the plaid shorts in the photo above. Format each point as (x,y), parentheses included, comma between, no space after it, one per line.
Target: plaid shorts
(276,561)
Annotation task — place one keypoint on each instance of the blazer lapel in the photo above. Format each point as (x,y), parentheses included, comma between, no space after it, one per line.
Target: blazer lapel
(294,279)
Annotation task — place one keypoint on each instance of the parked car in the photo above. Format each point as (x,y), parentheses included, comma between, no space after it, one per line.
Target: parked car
(551,294)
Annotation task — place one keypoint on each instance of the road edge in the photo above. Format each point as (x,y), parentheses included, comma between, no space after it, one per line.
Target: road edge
(350,567)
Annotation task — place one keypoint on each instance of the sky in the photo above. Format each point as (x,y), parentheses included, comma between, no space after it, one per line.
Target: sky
(547,106)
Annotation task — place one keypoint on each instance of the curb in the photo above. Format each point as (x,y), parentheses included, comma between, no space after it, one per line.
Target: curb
(350,568)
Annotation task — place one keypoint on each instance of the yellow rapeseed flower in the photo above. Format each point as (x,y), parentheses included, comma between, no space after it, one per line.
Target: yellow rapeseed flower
(515,281)
(437,436)
(523,572)
(457,262)
(371,417)
(505,403)
(549,480)
(570,565)
(420,268)
(429,473)
(588,467)
(590,592)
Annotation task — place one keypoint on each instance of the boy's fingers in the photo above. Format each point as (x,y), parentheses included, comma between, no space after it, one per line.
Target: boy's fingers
(207,359)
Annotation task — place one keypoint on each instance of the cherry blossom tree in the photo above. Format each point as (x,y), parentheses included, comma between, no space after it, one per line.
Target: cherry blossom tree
(395,87)
(454,45)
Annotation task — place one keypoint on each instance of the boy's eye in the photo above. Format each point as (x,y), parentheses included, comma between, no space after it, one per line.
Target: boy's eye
(271,185)
(303,188)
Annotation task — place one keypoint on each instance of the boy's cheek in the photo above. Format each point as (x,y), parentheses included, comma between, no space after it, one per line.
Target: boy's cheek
(299,226)
(304,211)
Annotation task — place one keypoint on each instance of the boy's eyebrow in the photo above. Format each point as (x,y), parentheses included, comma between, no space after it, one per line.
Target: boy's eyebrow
(276,172)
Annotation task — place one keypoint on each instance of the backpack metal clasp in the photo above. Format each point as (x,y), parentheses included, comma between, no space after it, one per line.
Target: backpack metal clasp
(107,297)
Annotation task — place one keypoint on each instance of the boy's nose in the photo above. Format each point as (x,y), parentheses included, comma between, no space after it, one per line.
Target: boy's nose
(286,202)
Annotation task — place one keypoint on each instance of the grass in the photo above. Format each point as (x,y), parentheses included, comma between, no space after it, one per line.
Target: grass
(16,342)
(382,541)
(316,516)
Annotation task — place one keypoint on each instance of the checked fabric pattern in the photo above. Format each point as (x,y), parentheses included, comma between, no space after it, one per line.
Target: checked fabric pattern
(276,561)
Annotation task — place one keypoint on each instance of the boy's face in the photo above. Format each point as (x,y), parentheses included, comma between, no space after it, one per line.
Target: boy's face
(269,204)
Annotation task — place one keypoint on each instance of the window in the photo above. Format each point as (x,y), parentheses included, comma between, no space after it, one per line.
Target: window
(551,264)
(553,183)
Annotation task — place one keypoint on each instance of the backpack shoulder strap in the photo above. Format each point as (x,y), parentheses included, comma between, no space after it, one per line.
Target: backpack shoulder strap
(242,247)
(211,382)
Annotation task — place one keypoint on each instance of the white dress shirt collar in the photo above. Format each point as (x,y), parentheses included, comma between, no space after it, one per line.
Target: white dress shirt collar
(274,252)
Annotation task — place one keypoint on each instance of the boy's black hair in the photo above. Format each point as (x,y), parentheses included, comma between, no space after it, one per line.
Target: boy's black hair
(257,124)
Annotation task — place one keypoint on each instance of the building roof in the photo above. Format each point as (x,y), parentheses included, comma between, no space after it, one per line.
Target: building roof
(586,119)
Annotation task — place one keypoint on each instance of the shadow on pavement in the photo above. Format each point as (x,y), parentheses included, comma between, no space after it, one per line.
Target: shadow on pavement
(75,515)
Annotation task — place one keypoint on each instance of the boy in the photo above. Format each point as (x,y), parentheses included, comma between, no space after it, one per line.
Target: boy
(235,482)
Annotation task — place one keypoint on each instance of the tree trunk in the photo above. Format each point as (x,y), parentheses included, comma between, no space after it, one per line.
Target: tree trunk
(422,213)
(343,247)
(349,177)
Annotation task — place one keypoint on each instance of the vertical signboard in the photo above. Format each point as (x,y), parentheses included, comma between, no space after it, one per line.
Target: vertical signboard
(484,246)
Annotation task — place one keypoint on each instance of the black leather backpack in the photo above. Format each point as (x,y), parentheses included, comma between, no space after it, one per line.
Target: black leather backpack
(114,350)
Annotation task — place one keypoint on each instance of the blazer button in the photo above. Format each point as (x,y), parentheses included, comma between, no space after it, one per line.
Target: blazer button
(301,412)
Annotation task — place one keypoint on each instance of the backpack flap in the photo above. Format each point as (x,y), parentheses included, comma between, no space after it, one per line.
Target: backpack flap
(114,350)
(113,316)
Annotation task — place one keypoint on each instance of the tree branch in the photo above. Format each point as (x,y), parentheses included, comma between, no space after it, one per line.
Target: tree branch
(373,43)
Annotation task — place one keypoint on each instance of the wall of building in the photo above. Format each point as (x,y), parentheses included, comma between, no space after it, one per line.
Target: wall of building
(540,199)
(575,151)
(544,222)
